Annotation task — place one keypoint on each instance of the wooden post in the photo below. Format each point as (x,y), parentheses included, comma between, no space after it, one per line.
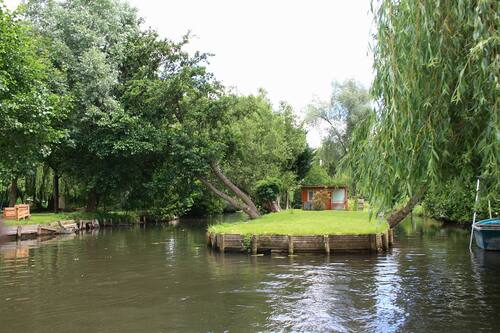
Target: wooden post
(290,244)
(221,245)
(373,242)
(255,244)
(326,240)
(19,231)
(385,240)
(391,237)
(39,230)
(213,240)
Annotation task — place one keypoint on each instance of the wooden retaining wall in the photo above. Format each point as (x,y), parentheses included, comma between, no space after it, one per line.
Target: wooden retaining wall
(34,230)
(301,244)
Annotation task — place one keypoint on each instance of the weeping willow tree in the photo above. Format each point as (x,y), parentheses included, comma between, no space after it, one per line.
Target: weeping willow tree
(436,89)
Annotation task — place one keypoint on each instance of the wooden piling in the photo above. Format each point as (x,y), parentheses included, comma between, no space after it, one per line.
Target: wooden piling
(326,240)
(373,242)
(221,245)
(294,244)
(19,232)
(385,240)
(391,236)
(255,244)
(290,244)
(213,240)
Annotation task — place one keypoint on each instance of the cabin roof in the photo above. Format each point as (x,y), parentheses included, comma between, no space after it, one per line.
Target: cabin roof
(323,186)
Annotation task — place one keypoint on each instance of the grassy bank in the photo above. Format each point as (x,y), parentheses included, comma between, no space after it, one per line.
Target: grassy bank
(298,222)
(47,218)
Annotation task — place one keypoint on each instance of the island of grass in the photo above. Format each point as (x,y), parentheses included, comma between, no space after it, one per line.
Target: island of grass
(300,230)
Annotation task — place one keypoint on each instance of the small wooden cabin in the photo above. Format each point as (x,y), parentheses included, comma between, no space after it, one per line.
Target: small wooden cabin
(335,198)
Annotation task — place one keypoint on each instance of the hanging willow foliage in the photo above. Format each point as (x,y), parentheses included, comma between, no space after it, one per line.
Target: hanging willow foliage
(437,93)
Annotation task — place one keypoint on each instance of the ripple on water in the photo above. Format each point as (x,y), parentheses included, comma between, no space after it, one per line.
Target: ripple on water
(165,280)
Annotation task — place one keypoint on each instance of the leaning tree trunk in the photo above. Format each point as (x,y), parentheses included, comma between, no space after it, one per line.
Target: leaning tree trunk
(235,189)
(253,214)
(396,217)
(13,193)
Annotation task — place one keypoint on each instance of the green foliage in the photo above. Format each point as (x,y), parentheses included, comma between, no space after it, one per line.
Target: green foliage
(436,88)
(303,162)
(319,199)
(247,241)
(205,203)
(349,103)
(29,109)
(144,118)
(267,190)
(317,175)
(454,201)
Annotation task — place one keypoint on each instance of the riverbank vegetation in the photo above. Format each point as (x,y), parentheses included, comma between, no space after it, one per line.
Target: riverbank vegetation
(48,217)
(98,113)
(132,121)
(435,122)
(300,222)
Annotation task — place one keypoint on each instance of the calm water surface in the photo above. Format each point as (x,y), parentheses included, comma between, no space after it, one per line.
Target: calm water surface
(164,279)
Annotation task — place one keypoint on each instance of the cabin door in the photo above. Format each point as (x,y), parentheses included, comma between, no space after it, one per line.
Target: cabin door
(328,201)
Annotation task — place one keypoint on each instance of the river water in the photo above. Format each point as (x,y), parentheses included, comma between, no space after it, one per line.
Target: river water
(164,279)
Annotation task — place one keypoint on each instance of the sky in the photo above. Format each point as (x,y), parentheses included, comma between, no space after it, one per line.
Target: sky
(293,49)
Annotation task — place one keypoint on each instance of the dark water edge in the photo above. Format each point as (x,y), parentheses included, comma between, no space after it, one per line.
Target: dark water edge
(165,279)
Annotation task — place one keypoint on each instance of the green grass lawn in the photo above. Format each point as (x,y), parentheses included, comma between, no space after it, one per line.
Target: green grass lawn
(42,218)
(47,218)
(300,222)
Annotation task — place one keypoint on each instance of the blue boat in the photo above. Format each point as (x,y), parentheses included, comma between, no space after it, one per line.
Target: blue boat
(487,234)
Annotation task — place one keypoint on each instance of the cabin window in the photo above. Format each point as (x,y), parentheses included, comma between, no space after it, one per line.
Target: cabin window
(338,195)
(310,196)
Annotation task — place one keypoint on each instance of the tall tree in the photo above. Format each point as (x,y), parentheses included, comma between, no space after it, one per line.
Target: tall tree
(437,91)
(349,102)
(87,42)
(29,107)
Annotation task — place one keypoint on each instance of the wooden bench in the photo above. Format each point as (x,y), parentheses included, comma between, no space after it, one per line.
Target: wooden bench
(17,212)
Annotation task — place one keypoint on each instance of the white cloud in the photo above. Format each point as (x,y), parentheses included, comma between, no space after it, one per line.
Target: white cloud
(292,49)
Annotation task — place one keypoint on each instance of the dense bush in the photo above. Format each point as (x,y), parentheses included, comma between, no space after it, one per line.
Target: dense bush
(267,192)
(455,202)
(319,200)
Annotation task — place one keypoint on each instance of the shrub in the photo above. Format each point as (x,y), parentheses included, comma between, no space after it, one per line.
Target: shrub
(454,201)
(319,199)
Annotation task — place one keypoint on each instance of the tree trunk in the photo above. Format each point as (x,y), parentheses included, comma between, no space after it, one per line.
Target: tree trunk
(56,192)
(91,201)
(252,213)
(13,192)
(396,217)
(239,193)
(273,206)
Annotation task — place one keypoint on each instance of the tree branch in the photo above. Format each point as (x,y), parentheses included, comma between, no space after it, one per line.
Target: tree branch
(334,129)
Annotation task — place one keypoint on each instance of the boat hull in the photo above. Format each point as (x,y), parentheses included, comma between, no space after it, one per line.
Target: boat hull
(487,234)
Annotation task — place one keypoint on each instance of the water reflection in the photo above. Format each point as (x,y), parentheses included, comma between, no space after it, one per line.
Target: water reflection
(166,279)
